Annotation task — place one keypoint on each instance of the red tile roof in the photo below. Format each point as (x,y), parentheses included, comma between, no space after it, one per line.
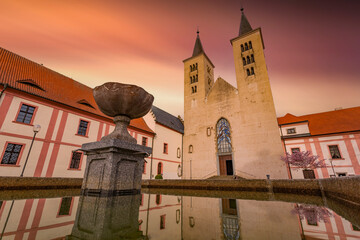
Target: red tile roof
(344,120)
(28,76)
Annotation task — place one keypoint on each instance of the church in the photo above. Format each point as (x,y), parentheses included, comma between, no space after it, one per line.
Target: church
(228,130)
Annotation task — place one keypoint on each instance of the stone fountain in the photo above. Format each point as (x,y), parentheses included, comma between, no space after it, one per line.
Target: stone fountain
(115,163)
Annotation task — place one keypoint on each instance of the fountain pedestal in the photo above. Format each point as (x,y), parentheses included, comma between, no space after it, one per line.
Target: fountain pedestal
(114,167)
(115,217)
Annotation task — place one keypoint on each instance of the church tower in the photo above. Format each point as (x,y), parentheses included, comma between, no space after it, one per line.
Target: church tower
(198,80)
(258,122)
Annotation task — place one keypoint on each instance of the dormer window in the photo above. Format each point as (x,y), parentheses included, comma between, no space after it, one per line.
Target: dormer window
(31,83)
(291,130)
(85,103)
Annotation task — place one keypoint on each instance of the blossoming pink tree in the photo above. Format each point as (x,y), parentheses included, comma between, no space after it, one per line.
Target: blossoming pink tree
(303,160)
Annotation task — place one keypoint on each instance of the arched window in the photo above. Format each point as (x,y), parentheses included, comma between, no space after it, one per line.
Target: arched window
(196,66)
(252,58)
(196,78)
(191,80)
(242,47)
(195,89)
(178,152)
(191,148)
(223,136)
(191,69)
(158,199)
(252,71)
(192,89)
(250,45)
(248,72)
(246,47)
(193,66)
(160,168)
(244,61)
(248,59)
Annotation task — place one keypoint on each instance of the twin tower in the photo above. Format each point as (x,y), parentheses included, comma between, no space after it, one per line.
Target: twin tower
(228,130)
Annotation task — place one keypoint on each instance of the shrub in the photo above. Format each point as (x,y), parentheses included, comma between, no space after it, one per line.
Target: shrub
(159,176)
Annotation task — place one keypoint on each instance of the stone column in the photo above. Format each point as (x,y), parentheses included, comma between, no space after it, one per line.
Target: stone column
(113,167)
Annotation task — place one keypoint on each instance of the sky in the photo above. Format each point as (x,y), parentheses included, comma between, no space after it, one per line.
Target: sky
(312,47)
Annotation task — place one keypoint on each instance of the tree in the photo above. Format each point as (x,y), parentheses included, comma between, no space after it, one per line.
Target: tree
(303,160)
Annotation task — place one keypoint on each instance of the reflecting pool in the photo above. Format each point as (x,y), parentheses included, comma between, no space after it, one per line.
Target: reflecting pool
(159,216)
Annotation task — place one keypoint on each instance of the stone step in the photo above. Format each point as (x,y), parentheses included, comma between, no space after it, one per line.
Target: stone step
(224,177)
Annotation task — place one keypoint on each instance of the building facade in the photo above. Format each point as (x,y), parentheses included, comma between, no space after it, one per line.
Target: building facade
(31,94)
(228,130)
(333,136)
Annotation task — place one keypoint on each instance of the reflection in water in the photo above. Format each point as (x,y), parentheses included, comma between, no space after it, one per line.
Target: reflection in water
(161,217)
(107,218)
(312,214)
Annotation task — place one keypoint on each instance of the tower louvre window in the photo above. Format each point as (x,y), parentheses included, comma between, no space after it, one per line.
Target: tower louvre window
(250,45)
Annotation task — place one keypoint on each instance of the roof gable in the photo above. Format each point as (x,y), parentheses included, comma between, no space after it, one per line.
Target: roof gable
(168,120)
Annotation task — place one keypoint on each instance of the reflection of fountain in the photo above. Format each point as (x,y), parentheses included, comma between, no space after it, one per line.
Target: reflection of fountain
(113,217)
(115,164)
(313,214)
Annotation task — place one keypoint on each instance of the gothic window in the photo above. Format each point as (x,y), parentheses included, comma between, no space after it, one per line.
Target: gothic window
(223,136)
(196,66)
(244,61)
(246,47)
(252,71)
(248,72)
(250,45)
(248,59)
(252,58)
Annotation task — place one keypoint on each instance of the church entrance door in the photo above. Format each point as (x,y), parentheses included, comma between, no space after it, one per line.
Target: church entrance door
(225,163)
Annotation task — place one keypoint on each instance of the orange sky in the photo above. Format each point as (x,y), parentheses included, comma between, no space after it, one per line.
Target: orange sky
(312,47)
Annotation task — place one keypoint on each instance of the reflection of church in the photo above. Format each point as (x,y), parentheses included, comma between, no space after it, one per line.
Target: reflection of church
(228,130)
